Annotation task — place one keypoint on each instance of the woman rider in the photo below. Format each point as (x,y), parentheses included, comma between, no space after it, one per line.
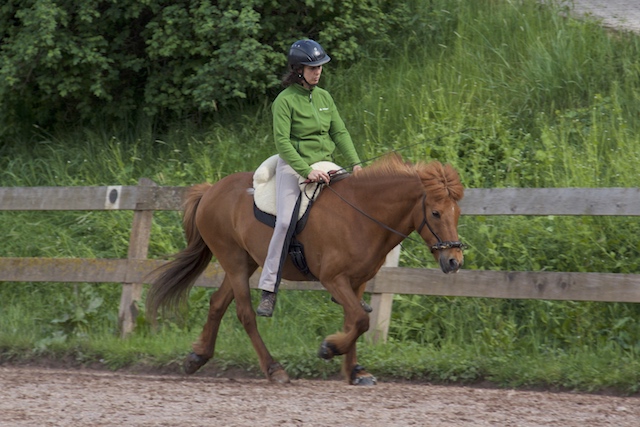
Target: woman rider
(307,129)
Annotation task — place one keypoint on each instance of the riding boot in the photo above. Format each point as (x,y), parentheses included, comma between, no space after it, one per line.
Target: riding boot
(267,304)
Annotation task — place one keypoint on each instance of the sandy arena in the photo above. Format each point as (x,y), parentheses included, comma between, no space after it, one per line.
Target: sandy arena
(36,396)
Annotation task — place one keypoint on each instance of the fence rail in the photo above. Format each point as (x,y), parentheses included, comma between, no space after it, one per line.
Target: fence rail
(477,201)
(147,197)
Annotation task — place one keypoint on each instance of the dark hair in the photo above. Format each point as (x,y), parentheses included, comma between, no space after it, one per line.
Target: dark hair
(292,77)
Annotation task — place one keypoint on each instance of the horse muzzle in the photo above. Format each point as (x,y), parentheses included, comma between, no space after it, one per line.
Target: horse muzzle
(451,259)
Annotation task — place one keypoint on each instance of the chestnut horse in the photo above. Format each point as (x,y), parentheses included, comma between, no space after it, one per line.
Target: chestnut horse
(352,226)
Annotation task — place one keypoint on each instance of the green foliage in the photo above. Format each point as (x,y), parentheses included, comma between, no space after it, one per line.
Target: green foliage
(81,312)
(62,60)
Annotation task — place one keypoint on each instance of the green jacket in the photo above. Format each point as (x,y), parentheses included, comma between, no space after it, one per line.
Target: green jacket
(307,128)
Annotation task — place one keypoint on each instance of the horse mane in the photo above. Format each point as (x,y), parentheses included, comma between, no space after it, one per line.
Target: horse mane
(440,181)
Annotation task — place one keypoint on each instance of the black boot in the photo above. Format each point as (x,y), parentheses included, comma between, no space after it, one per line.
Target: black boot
(267,304)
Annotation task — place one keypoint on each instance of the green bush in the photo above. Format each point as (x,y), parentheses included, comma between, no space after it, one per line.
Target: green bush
(63,60)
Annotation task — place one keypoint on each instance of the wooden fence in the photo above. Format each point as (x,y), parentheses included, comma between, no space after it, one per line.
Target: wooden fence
(146,197)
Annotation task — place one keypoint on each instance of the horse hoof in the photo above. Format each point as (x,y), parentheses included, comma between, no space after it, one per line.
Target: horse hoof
(327,351)
(280,377)
(277,374)
(193,362)
(359,376)
(367,380)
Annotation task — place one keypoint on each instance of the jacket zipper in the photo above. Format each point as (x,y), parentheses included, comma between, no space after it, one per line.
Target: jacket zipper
(315,110)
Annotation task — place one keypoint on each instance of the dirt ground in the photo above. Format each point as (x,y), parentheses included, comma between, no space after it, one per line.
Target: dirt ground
(37,396)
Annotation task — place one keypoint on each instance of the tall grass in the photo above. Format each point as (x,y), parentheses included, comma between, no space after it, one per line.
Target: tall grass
(512,93)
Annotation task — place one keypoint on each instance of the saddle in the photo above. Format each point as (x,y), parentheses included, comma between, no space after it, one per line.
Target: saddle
(264,185)
(264,204)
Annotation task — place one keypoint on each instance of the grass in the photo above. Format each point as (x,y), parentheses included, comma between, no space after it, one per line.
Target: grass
(511,93)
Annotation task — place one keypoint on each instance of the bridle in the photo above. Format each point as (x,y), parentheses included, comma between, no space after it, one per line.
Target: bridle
(440,245)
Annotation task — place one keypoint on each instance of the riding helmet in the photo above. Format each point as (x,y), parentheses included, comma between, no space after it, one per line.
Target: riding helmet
(307,52)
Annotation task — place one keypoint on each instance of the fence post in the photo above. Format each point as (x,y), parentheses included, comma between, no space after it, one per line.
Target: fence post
(380,317)
(138,249)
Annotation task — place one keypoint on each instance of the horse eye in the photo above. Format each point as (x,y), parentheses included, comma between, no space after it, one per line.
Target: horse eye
(435,214)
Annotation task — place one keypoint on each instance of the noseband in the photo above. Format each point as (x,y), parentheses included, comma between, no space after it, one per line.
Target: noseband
(440,245)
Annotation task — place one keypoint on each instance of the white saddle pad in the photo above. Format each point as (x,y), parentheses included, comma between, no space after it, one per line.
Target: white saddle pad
(264,185)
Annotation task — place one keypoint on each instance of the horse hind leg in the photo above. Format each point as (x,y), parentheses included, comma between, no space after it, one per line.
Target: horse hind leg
(204,347)
(272,369)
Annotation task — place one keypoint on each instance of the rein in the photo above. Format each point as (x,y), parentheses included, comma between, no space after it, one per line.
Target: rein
(441,245)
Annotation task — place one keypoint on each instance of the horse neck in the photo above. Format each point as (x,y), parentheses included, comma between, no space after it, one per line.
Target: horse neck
(390,200)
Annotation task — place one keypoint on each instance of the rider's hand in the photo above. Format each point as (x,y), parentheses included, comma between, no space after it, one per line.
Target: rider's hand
(356,168)
(319,176)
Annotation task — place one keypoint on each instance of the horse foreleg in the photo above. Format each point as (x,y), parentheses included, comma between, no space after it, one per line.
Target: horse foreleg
(247,316)
(345,343)
(204,347)
(356,322)
(354,373)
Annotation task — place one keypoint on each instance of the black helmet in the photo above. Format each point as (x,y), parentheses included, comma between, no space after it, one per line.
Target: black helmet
(307,52)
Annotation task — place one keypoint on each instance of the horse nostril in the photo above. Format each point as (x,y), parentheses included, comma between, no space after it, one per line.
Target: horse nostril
(449,265)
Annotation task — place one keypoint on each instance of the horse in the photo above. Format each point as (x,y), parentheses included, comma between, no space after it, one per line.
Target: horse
(351,227)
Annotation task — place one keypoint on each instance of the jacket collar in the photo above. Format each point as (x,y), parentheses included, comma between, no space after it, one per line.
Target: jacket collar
(301,89)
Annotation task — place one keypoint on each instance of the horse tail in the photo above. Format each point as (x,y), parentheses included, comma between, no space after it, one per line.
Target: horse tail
(172,282)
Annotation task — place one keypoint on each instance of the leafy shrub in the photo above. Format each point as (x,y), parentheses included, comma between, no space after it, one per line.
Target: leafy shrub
(63,60)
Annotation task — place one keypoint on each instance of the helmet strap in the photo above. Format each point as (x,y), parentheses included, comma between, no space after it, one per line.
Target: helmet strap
(308,84)
(301,76)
